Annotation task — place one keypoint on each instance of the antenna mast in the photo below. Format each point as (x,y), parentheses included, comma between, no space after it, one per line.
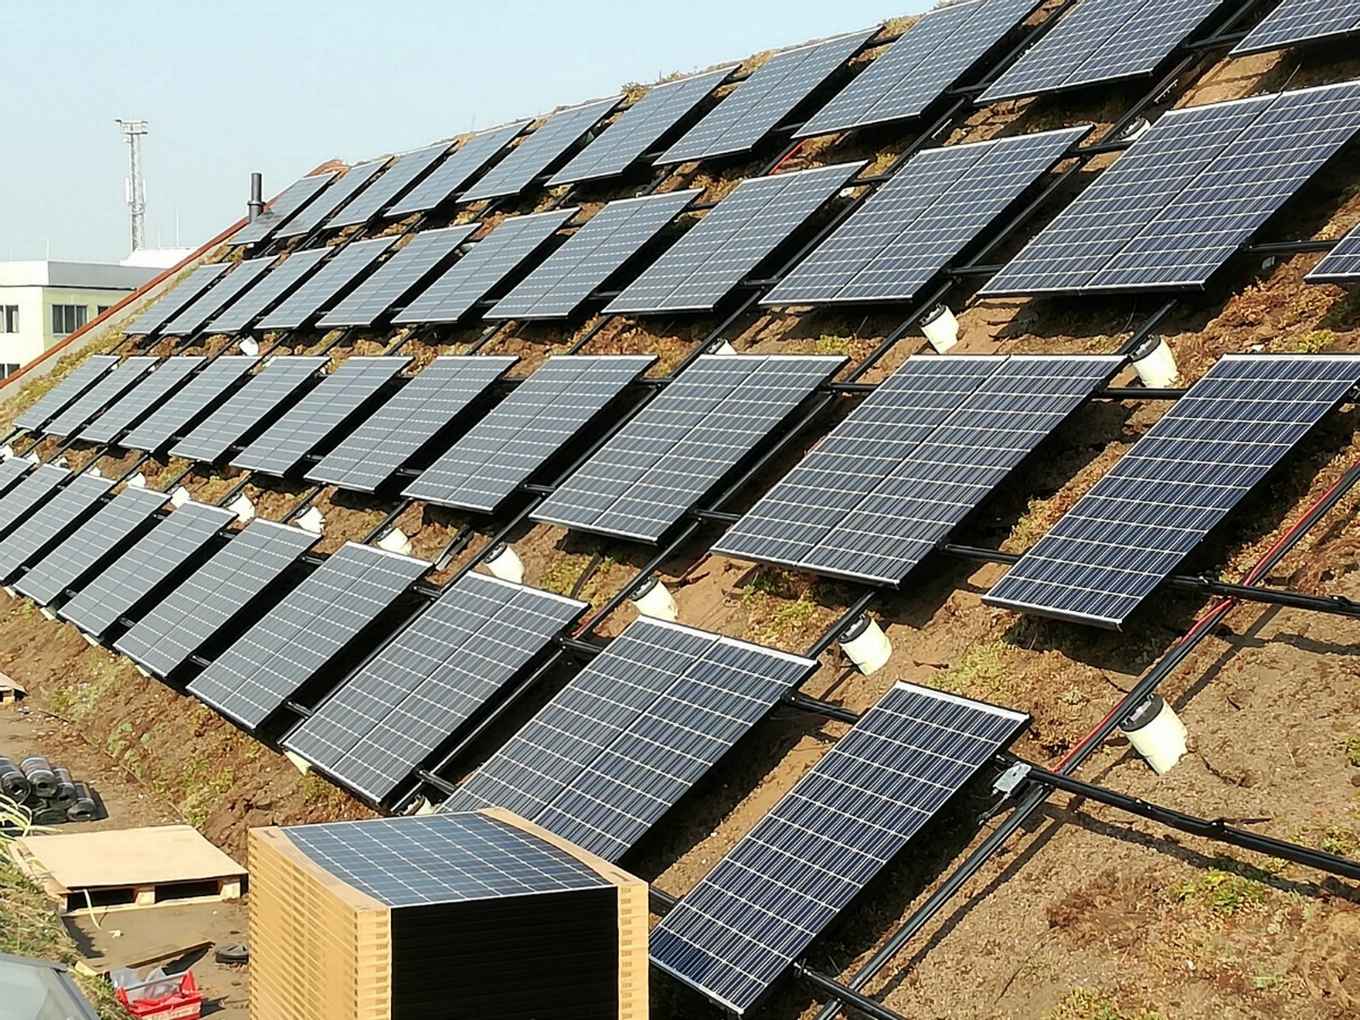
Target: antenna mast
(133,132)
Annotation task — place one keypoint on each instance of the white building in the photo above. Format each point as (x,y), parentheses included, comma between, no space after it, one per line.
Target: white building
(43,302)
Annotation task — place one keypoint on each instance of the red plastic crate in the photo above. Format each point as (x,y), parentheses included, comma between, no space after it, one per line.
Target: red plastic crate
(184,1004)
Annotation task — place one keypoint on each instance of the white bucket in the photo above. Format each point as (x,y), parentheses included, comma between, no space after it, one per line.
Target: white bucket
(1157,733)
(396,541)
(940,328)
(651,598)
(1155,364)
(243,508)
(313,520)
(865,644)
(504,563)
(249,347)
(137,481)
(180,496)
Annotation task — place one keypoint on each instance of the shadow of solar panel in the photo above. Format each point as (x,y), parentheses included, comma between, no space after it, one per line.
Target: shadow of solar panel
(864,801)
(409,422)
(151,561)
(930,57)
(1341,264)
(80,379)
(177,299)
(378,195)
(312,215)
(37,532)
(196,314)
(888,485)
(397,277)
(111,385)
(681,445)
(1186,196)
(567,277)
(731,240)
(271,661)
(30,493)
(82,552)
(429,681)
(1120,541)
(461,166)
(920,220)
(214,595)
(158,383)
(287,205)
(540,150)
(314,418)
(273,287)
(623,742)
(639,127)
(1102,40)
(327,283)
(525,430)
(757,105)
(267,391)
(1301,21)
(188,403)
(485,265)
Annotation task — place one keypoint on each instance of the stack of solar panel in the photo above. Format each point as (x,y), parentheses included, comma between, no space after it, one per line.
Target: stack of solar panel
(478,914)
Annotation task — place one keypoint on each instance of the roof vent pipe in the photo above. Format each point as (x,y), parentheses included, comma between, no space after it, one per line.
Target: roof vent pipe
(651,598)
(1154,363)
(865,644)
(504,563)
(1157,733)
(256,204)
(940,328)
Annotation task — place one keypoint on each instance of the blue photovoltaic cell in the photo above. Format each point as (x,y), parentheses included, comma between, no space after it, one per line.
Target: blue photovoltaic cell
(184,294)
(929,58)
(1181,479)
(381,192)
(272,288)
(539,150)
(1341,264)
(397,277)
(865,800)
(267,391)
(25,497)
(11,471)
(336,195)
(188,404)
(52,403)
(1301,21)
(196,314)
(283,208)
(108,389)
(40,530)
(462,165)
(325,284)
(154,387)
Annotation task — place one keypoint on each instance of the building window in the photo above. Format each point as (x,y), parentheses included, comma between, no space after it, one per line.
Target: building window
(101,310)
(9,318)
(8,368)
(68,318)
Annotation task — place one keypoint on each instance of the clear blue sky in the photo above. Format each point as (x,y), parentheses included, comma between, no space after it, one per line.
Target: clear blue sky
(231,86)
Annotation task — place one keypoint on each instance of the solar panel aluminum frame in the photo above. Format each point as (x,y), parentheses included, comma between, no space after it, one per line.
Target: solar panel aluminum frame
(1341,264)
(383,290)
(338,195)
(168,306)
(156,431)
(335,278)
(110,388)
(30,495)
(405,173)
(424,198)
(65,393)
(1263,38)
(141,400)
(214,301)
(283,207)
(51,523)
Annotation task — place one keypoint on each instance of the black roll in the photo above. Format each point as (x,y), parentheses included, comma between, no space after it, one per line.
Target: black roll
(83,807)
(13,781)
(40,775)
(66,787)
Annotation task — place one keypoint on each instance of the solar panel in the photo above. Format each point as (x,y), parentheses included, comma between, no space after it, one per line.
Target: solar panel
(197,313)
(622,743)
(640,127)
(741,231)
(37,532)
(312,420)
(397,277)
(1301,21)
(540,150)
(462,165)
(214,595)
(890,482)
(337,195)
(283,208)
(11,471)
(416,861)
(863,802)
(325,284)
(568,276)
(268,390)
(429,681)
(154,387)
(188,403)
(109,388)
(930,57)
(757,105)
(1102,40)
(112,526)
(148,563)
(174,301)
(381,192)
(80,379)
(1187,195)
(485,265)
(24,498)
(1341,264)
(272,288)
(681,445)
(409,422)
(523,432)
(1120,541)
(921,220)
(315,621)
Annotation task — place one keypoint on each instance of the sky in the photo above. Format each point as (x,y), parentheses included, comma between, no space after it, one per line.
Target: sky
(231,87)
